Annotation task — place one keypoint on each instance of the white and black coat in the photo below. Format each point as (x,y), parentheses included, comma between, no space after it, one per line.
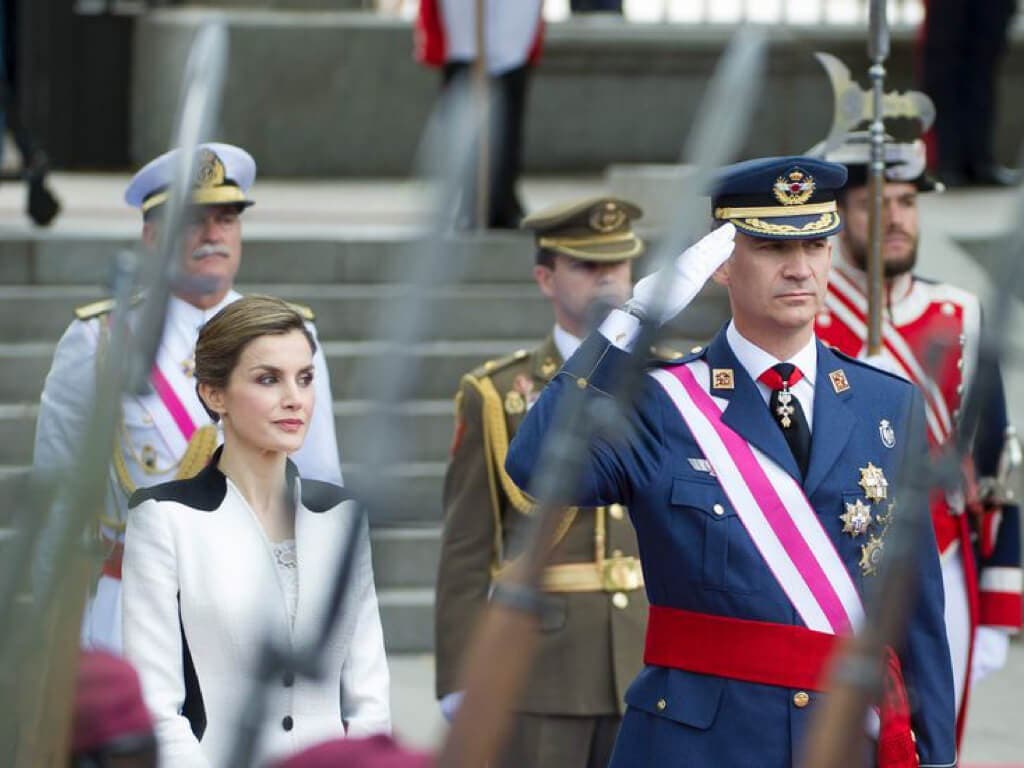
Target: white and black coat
(201,592)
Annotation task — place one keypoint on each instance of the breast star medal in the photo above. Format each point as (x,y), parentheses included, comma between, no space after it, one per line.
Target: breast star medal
(872,480)
(871,556)
(857,518)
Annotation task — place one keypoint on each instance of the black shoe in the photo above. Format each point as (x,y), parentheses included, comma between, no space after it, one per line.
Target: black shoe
(995,176)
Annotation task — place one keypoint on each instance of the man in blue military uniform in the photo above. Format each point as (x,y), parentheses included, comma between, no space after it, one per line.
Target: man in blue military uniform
(757,472)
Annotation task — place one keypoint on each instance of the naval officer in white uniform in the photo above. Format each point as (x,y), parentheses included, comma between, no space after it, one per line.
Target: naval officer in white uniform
(166,434)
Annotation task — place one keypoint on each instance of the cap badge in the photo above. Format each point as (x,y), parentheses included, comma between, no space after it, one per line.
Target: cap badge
(606,218)
(795,188)
(209,169)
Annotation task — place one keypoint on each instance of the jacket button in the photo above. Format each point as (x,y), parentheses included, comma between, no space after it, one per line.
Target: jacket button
(287,723)
(801,699)
(288,679)
(615,510)
(718,509)
(661,705)
(619,600)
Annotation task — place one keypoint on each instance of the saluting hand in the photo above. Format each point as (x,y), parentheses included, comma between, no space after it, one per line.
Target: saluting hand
(686,276)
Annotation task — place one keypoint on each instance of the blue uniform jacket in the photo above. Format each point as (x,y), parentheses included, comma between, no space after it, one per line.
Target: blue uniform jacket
(697,560)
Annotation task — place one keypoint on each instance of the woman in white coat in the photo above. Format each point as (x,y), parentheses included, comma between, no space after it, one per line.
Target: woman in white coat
(246,547)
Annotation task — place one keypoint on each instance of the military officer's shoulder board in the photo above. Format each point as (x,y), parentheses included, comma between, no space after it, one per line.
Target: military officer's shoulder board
(102,307)
(662,355)
(491,367)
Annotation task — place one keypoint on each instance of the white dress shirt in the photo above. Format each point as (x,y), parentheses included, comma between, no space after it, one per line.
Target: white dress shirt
(565,342)
(756,361)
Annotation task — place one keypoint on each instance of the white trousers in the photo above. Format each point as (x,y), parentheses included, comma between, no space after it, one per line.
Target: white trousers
(958,618)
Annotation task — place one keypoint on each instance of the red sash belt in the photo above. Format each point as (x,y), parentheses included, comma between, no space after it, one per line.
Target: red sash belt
(772,654)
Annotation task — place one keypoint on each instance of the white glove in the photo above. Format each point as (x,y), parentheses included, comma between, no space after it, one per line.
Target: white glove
(450,704)
(688,273)
(991,646)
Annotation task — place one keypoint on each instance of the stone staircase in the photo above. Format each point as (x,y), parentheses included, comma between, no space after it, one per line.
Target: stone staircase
(493,310)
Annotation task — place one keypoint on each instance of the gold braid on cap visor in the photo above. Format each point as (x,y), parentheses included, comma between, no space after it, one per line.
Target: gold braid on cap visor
(825,223)
(571,246)
(773,211)
(201,196)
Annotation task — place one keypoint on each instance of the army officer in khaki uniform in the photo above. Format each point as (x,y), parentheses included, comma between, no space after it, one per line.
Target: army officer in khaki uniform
(592,641)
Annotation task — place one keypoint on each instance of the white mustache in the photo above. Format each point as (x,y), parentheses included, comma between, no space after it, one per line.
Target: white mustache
(203,251)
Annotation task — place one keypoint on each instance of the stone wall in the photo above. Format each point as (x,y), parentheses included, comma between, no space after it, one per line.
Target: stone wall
(336,94)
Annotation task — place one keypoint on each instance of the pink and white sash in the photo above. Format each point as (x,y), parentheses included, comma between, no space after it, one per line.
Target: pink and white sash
(772,507)
(849,304)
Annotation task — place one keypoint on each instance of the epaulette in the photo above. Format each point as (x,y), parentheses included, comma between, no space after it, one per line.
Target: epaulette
(866,365)
(491,367)
(102,307)
(307,314)
(661,354)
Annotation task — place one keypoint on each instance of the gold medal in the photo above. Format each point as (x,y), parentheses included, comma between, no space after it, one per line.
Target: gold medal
(872,480)
(514,403)
(871,556)
(857,518)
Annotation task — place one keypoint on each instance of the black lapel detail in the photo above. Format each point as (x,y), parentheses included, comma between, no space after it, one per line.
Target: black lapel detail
(319,496)
(205,491)
(193,709)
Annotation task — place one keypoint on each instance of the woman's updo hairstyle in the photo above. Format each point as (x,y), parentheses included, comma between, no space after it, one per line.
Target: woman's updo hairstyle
(226,335)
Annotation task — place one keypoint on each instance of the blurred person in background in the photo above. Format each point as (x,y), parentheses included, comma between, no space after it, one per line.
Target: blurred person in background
(165,434)
(110,725)
(963,46)
(446,38)
(247,549)
(931,336)
(591,641)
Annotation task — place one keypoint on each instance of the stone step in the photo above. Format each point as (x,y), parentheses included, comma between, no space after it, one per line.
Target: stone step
(438,366)
(405,557)
(425,427)
(350,312)
(411,494)
(85,258)
(407,616)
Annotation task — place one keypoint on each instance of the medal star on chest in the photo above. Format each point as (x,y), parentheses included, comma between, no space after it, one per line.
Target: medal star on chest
(857,518)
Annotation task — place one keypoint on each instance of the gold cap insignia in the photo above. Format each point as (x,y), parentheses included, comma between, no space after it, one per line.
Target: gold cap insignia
(607,218)
(722,378)
(873,481)
(857,518)
(839,381)
(209,170)
(871,556)
(514,404)
(795,188)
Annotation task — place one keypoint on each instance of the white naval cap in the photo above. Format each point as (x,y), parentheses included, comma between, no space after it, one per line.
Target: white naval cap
(224,174)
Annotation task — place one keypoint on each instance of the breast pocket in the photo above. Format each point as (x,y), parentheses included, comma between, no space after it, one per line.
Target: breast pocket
(729,560)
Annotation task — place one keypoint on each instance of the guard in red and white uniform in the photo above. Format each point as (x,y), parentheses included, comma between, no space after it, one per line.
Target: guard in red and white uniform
(976,525)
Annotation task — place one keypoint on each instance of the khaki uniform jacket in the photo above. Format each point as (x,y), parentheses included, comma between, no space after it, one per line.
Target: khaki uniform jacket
(591,643)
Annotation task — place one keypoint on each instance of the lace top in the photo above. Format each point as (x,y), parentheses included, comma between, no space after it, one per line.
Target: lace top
(287,569)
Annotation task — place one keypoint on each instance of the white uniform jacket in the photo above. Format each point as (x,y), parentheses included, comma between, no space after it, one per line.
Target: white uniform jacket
(201,591)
